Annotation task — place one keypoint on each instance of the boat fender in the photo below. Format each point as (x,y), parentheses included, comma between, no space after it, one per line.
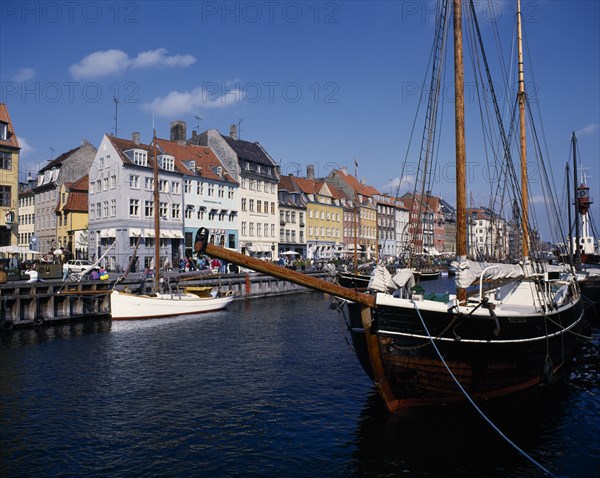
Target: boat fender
(38,321)
(548,370)
(490,308)
(7,325)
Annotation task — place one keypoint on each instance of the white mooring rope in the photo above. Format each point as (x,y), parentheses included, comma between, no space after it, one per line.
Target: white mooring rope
(472,402)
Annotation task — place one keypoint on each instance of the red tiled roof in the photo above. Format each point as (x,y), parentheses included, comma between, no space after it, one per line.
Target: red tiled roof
(82,184)
(205,159)
(11,141)
(356,185)
(76,202)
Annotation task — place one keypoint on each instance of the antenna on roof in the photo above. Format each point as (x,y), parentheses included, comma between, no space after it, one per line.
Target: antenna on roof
(198,119)
(240,128)
(51,153)
(116,100)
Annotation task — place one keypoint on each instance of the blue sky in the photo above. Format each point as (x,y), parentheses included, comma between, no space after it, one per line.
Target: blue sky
(314,82)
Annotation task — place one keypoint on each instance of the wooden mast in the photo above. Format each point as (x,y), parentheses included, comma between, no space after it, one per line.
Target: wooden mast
(461,156)
(354,219)
(156,200)
(521,98)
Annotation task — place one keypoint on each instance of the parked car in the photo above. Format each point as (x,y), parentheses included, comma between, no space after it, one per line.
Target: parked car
(77,266)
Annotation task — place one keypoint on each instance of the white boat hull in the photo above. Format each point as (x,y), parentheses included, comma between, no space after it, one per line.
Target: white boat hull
(126,306)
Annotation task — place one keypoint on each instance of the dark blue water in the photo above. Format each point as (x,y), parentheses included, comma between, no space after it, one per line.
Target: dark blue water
(269,387)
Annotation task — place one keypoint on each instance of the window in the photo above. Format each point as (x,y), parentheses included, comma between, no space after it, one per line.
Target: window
(140,157)
(243,228)
(134,181)
(230,193)
(105,184)
(176,187)
(251,205)
(105,209)
(134,207)
(176,211)
(113,208)
(251,229)
(211,190)
(98,210)
(221,192)
(243,204)
(163,210)
(149,208)
(5,160)
(3,131)
(258,206)
(167,162)
(149,184)
(113,182)
(163,186)
(187,186)
(273,208)
(267,230)
(258,230)
(200,188)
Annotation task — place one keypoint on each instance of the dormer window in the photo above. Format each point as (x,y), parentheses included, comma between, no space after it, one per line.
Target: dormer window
(166,162)
(3,131)
(219,170)
(138,156)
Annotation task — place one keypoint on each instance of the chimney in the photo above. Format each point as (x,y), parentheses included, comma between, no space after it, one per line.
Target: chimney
(344,169)
(194,134)
(310,171)
(135,137)
(178,130)
(233,131)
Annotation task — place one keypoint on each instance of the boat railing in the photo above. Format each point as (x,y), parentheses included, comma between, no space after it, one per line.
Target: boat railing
(481,280)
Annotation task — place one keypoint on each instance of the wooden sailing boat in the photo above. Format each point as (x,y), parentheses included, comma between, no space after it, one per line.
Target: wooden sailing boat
(163,302)
(482,343)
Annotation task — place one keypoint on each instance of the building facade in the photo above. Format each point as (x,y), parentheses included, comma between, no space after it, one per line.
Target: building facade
(9,180)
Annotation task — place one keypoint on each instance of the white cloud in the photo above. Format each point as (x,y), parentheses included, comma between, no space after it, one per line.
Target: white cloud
(159,57)
(394,183)
(111,62)
(26,148)
(588,130)
(182,102)
(24,74)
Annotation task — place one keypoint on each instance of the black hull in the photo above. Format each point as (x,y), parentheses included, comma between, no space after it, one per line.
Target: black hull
(526,352)
(358,282)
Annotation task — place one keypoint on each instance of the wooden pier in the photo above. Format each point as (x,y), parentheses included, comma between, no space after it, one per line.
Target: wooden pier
(26,304)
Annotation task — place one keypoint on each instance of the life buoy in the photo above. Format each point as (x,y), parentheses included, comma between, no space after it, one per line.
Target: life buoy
(38,321)
(7,325)
(229,292)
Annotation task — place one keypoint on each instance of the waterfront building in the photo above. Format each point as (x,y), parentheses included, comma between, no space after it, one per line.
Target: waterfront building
(324,215)
(9,180)
(362,194)
(72,219)
(122,208)
(401,220)
(258,176)
(386,227)
(292,223)
(68,167)
(26,221)
(210,193)
(488,235)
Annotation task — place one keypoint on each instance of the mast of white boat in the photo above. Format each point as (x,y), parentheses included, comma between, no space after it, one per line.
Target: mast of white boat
(569,219)
(461,156)
(576,193)
(521,97)
(156,199)
(355,219)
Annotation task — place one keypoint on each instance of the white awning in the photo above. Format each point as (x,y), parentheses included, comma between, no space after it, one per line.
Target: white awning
(177,234)
(108,233)
(135,232)
(165,234)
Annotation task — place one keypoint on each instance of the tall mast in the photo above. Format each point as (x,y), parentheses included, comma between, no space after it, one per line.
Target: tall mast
(461,155)
(569,230)
(576,202)
(521,97)
(156,220)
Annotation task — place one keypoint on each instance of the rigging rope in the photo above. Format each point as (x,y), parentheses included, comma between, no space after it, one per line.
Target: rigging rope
(472,402)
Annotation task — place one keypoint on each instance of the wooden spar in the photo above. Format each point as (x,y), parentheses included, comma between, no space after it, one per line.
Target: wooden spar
(575,185)
(521,97)
(461,156)
(201,245)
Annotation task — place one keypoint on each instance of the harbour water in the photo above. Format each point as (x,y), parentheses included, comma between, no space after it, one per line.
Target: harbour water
(269,387)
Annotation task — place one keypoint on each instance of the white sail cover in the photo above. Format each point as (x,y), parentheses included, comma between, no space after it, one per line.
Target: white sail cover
(382,281)
(468,272)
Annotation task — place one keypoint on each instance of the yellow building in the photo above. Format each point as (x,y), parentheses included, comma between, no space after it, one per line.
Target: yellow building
(72,218)
(9,180)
